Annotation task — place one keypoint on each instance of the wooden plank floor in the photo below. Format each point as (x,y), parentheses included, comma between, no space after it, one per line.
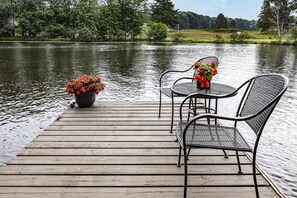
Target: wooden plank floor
(121,149)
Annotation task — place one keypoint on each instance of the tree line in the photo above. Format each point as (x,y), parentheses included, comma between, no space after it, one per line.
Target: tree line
(89,20)
(191,20)
(85,19)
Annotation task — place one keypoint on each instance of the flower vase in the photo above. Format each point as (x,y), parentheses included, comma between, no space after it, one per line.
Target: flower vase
(85,99)
(198,85)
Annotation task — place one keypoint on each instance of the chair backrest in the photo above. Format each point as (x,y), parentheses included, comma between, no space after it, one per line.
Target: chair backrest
(208,60)
(262,95)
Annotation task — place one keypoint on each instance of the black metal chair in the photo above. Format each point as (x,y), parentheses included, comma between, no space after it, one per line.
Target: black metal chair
(167,91)
(260,97)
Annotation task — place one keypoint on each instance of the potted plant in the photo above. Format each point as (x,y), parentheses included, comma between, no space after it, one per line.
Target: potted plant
(203,74)
(84,89)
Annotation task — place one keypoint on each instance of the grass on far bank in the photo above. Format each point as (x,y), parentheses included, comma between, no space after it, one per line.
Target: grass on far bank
(188,36)
(205,36)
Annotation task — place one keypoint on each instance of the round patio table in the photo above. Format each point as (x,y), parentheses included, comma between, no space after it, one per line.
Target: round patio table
(216,91)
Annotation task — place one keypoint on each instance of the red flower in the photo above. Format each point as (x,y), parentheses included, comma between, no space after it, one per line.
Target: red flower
(213,63)
(69,90)
(69,84)
(214,72)
(206,83)
(201,69)
(196,64)
(83,79)
(198,77)
(203,78)
(85,83)
(82,89)
(91,86)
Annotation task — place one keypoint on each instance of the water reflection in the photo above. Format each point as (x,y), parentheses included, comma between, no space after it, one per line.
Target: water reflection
(33,77)
(273,59)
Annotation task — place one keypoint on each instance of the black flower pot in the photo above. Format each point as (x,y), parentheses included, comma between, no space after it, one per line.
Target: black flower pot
(85,99)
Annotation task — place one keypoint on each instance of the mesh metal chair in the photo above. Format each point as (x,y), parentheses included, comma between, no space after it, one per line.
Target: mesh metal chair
(167,91)
(260,97)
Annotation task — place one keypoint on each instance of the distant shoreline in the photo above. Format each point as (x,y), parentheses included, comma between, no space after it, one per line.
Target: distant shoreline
(272,42)
(182,36)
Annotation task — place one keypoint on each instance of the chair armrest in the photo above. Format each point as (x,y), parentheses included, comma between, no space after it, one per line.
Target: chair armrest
(173,71)
(216,116)
(183,78)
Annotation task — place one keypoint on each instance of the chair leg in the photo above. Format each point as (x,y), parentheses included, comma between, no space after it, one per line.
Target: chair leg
(186,172)
(172,114)
(238,163)
(179,156)
(189,153)
(225,154)
(255,176)
(160,103)
(189,112)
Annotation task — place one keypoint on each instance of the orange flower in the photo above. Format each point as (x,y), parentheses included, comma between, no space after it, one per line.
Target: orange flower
(77,92)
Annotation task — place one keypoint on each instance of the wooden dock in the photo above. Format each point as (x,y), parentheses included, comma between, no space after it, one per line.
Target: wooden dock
(119,150)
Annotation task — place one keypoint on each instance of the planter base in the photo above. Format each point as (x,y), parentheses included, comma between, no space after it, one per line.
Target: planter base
(85,99)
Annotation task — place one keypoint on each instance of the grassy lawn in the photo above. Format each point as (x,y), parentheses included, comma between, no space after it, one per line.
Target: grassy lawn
(200,35)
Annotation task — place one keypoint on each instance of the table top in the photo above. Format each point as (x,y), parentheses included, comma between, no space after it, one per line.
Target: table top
(216,90)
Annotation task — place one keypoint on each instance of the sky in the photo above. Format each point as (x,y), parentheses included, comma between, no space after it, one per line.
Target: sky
(246,9)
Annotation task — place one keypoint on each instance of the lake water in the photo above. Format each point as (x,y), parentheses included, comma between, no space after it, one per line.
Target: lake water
(33,77)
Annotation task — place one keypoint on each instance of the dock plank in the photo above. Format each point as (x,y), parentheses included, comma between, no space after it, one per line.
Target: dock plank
(134,160)
(122,149)
(143,192)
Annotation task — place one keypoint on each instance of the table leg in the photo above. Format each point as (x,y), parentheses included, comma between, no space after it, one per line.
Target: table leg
(172,112)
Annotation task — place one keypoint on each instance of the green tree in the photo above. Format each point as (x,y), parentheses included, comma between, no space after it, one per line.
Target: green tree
(232,24)
(30,17)
(123,18)
(278,13)
(221,22)
(158,31)
(132,16)
(7,17)
(183,20)
(163,11)
(194,22)
(264,22)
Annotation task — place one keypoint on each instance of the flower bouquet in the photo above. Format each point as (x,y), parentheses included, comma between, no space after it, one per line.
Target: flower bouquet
(203,74)
(84,89)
